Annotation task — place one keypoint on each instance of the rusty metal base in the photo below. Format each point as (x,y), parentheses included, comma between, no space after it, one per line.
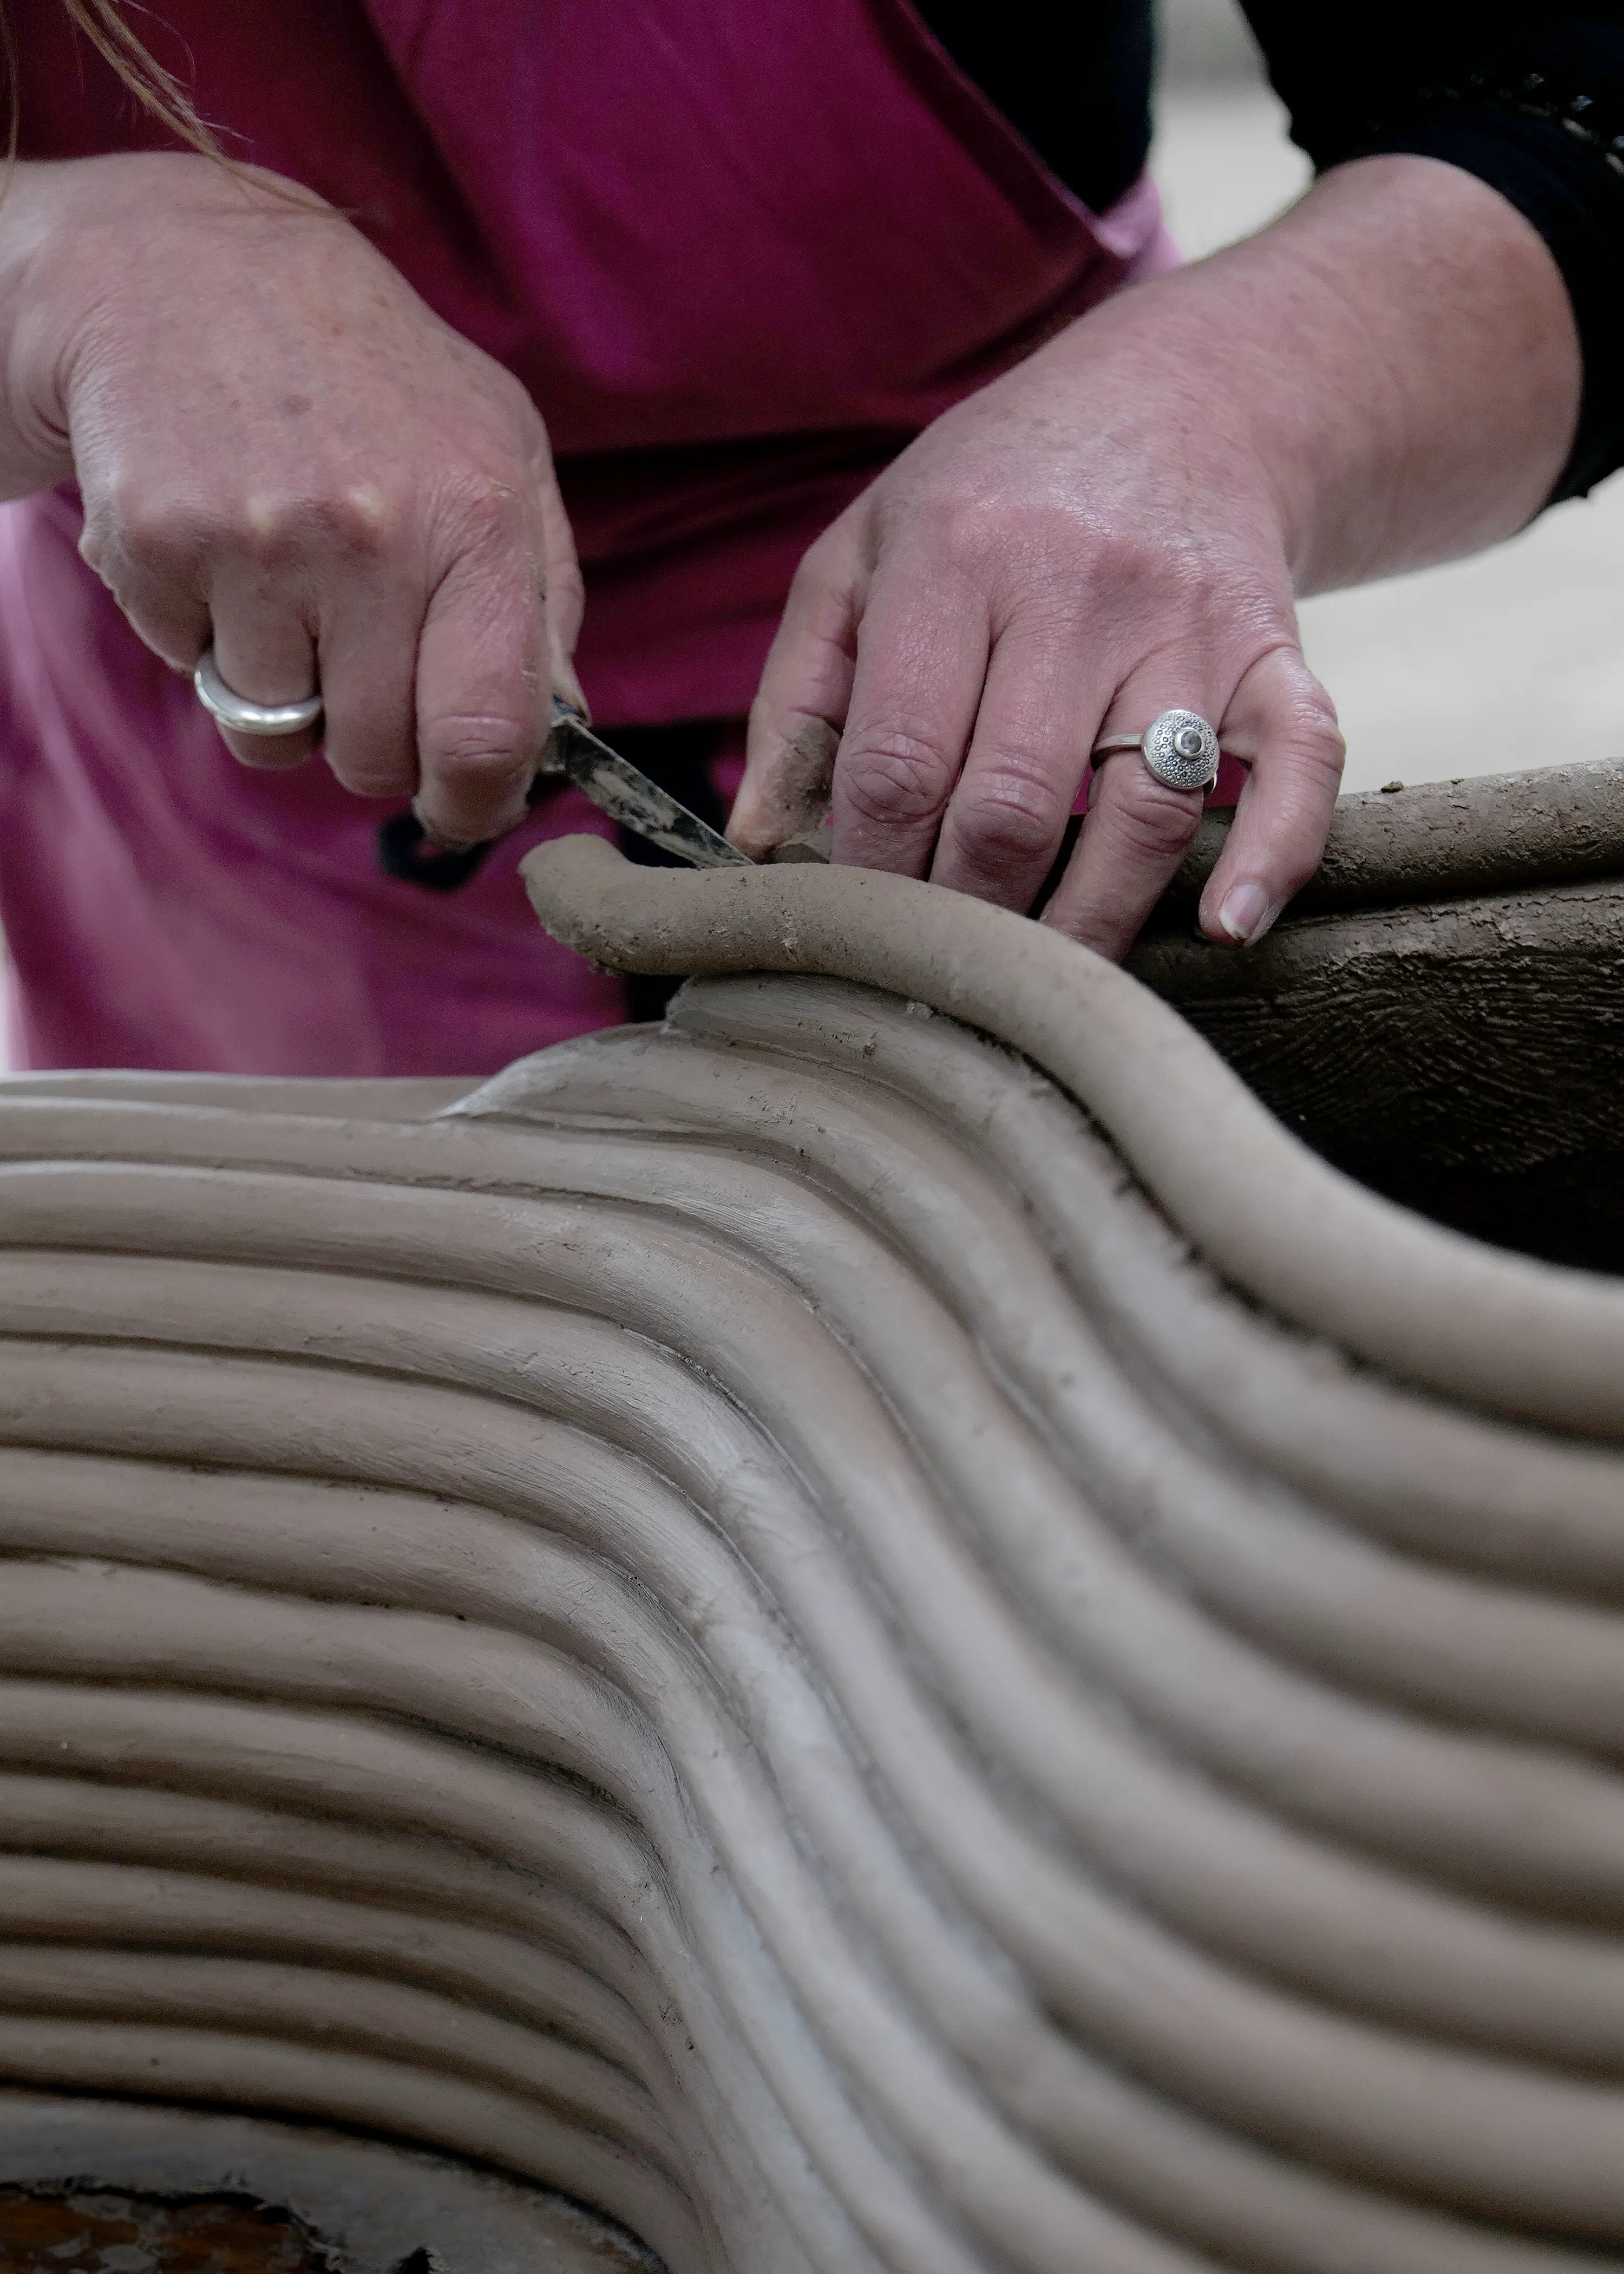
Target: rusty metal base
(102,2234)
(90,2187)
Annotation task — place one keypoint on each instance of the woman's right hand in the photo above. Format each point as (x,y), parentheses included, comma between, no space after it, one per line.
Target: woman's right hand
(283,450)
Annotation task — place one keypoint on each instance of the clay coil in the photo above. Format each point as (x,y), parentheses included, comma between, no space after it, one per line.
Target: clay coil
(739,1622)
(1517,1336)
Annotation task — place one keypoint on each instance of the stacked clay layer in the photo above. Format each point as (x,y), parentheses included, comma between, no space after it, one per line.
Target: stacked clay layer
(862,1647)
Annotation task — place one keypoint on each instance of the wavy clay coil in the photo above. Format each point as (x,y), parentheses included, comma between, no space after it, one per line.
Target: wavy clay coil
(878,1629)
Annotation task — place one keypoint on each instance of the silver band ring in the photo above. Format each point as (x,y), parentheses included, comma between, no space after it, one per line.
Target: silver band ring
(1180,749)
(245,717)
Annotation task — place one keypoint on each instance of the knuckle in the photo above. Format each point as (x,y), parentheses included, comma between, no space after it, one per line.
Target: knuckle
(896,774)
(483,513)
(367,519)
(135,527)
(1014,816)
(966,532)
(478,749)
(820,566)
(947,523)
(271,525)
(164,530)
(1313,737)
(349,521)
(1123,560)
(1155,820)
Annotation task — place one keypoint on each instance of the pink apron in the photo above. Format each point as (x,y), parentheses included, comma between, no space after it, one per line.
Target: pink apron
(739,253)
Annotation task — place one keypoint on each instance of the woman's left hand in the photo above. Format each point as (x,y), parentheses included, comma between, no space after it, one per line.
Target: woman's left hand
(1117,527)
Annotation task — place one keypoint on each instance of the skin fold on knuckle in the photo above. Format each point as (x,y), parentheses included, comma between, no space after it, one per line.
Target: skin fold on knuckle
(475,763)
(999,829)
(893,776)
(478,508)
(1316,751)
(1148,821)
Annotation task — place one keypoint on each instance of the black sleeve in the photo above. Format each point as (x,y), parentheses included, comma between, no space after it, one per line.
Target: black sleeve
(1529,97)
(1075,81)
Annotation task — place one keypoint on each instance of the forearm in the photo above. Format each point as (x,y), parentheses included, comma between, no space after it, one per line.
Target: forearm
(1394,361)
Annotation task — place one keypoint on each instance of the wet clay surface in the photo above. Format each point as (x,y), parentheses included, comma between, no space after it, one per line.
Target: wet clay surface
(1312,1247)
(1463,1055)
(866,1646)
(97,2234)
(1497,833)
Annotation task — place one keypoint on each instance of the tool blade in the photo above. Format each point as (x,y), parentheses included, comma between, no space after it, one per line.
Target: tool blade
(627,796)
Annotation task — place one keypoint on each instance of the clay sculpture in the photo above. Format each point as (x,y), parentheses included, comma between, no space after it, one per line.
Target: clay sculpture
(880,1628)
(1438,1013)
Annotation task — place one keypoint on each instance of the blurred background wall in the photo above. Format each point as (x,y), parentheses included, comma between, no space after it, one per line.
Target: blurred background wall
(1512,660)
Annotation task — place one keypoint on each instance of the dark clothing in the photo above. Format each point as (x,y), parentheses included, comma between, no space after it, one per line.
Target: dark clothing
(1526,94)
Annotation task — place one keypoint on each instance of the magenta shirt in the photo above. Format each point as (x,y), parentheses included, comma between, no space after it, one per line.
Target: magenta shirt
(739,253)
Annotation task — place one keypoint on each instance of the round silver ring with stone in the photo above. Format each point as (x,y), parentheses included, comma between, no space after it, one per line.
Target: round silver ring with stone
(243,717)
(1180,749)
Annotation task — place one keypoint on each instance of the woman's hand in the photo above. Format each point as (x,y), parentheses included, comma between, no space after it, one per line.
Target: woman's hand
(283,450)
(1118,525)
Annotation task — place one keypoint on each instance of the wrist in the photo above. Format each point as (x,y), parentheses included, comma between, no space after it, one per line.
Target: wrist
(1390,372)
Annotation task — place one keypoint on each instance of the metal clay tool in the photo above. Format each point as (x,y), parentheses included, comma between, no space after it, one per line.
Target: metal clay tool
(574,753)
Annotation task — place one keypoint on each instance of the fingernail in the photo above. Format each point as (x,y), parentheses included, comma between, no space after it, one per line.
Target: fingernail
(1247,913)
(565,683)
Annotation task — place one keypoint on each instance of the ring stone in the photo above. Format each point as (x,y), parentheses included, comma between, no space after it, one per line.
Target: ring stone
(1181,749)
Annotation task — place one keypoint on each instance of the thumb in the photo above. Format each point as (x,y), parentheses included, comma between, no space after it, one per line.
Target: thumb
(563,588)
(796,718)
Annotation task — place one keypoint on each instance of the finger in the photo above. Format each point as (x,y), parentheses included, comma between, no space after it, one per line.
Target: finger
(266,653)
(369,665)
(1282,719)
(1026,761)
(921,662)
(158,586)
(806,687)
(484,686)
(1137,829)
(152,561)
(563,589)
(1137,832)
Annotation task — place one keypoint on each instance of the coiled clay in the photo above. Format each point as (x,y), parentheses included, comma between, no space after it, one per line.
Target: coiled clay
(880,1628)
